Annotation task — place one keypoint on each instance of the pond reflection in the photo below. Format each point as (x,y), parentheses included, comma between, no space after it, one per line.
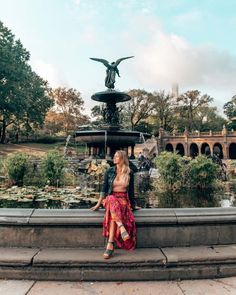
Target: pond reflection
(222,197)
(229,197)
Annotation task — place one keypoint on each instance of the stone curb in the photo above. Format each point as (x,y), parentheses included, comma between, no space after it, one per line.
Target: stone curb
(141,264)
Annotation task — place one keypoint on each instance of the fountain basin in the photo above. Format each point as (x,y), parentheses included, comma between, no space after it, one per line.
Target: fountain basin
(107,142)
(109,96)
(124,138)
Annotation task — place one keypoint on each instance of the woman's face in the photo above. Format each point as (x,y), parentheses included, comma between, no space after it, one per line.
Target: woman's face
(117,159)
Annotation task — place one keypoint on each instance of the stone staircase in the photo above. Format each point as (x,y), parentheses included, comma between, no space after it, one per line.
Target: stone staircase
(150,145)
(141,264)
(67,245)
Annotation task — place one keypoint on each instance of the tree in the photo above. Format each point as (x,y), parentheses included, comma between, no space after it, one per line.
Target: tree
(163,110)
(189,104)
(207,118)
(230,112)
(69,103)
(230,108)
(23,94)
(38,97)
(97,114)
(13,74)
(53,122)
(144,127)
(140,107)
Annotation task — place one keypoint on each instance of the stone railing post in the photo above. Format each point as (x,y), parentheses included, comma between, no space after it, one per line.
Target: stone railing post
(186,135)
(160,139)
(225,145)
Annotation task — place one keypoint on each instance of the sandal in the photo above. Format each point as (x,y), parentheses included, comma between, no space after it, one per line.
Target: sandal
(108,253)
(124,235)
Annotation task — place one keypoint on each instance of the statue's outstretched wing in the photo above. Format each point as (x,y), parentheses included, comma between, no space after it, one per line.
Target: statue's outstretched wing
(123,58)
(104,61)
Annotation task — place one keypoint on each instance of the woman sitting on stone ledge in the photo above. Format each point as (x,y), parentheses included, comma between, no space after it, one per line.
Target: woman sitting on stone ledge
(118,188)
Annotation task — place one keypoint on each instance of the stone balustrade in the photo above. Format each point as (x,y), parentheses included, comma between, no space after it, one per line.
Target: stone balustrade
(194,143)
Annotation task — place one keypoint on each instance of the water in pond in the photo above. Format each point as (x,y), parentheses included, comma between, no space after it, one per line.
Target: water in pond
(223,197)
(85,197)
(47,197)
(229,197)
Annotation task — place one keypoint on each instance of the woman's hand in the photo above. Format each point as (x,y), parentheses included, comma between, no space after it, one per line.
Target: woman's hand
(95,208)
(135,208)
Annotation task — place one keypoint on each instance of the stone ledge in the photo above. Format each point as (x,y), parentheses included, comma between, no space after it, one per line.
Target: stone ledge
(15,216)
(94,257)
(117,274)
(200,255)
(86,217)
(17,256)
(166,257)
(205,215)
(140,264)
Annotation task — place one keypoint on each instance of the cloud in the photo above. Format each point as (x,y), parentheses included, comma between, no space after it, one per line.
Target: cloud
(50,73)
(90,34)
(77,2)
(165,58)
(84,12)
(189,18)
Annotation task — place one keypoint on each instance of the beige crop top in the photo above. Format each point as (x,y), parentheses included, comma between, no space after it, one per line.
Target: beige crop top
(119,185)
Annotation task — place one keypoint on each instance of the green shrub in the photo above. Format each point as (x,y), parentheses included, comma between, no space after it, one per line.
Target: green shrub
(34,175)
(201,173)
(52,166)
(16,167)
(186,182)
(170,170)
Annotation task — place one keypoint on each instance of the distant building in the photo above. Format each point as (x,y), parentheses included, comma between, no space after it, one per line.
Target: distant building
(196,143)
(175,90)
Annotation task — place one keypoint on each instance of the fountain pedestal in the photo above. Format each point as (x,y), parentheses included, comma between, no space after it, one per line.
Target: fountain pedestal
(104,142)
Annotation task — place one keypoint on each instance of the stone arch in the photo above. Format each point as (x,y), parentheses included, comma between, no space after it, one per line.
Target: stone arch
(232,150)
(205,149)
(194,150)
(169,147)
(180,149)
(218,150)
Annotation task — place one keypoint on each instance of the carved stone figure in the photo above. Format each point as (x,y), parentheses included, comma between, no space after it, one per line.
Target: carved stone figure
(112,70)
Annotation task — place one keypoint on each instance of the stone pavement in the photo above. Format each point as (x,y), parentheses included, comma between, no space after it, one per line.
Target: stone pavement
(225,286)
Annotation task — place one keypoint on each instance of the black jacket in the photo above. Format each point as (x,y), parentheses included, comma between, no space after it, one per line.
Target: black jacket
(109,177)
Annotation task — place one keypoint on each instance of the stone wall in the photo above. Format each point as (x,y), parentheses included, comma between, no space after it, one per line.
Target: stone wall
(83,228)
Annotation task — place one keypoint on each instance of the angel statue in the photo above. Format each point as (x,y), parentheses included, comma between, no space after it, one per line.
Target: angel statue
(112,70)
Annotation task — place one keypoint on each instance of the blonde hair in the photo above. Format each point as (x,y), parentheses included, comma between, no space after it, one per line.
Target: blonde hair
(125,170)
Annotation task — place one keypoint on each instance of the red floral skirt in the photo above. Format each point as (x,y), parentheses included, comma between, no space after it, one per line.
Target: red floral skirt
(118,209)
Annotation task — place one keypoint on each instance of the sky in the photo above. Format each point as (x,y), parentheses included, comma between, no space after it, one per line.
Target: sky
(188,42)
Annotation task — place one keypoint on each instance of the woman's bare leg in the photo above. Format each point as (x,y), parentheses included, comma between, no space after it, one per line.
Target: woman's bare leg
(121,227)
(111,234)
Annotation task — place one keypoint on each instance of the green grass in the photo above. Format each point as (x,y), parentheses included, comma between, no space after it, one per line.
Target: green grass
(35,149)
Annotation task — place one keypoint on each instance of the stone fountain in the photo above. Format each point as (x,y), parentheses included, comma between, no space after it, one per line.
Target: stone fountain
(110,137)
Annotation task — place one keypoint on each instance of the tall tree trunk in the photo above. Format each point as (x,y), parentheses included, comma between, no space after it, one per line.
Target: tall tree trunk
(3,133)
